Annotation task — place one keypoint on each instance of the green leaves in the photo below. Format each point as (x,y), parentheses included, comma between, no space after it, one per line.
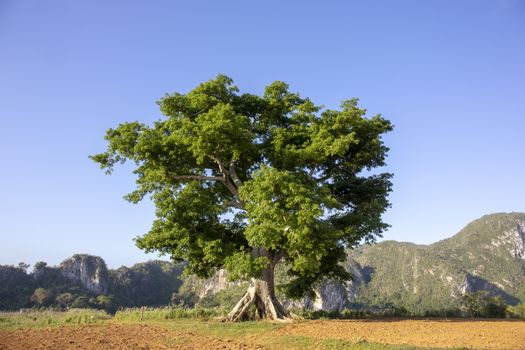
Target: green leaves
(220,133)
(291,173)
(282,209)
(242,265)
(122,142)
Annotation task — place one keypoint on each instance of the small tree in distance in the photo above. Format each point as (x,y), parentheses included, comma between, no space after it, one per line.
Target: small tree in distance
(245,182)
(42,296)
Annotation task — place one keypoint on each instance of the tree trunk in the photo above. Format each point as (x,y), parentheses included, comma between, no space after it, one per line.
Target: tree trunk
(261,294)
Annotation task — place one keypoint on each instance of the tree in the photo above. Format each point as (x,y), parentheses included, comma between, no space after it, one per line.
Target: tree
(81,302)
(64,300)
(23,266)
(481,304)
(105,302)
(16,287)
(42,296)
(244,182)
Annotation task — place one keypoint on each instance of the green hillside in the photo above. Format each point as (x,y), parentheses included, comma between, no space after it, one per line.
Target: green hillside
(488,254)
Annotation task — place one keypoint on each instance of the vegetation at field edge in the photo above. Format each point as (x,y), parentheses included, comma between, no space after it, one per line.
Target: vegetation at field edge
(35,318)
(166,313)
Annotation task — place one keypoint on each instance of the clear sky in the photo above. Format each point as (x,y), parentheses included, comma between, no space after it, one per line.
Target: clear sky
(449,74)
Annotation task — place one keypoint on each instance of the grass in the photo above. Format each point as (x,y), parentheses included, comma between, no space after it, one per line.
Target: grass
(48,318)
(166,313)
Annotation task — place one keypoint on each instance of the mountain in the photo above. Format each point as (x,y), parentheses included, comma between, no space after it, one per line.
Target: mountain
(487,255)
(86,270)
(84,281)
(151,283)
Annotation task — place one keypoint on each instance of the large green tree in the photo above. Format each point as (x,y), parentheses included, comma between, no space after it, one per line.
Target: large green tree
(244,182)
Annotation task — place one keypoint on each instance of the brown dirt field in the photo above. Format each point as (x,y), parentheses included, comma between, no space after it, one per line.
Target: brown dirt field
(425,333)
(111,336)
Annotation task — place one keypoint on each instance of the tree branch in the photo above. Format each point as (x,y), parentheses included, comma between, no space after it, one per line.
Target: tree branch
(235,204)
(197,177)
(233,173)
(324,178)
(222,169)
(329,174)
(226,180)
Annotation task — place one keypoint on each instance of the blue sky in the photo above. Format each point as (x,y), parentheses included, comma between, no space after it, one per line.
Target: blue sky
(449,74)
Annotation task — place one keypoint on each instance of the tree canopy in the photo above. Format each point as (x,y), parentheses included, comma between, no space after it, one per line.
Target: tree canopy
(242,181)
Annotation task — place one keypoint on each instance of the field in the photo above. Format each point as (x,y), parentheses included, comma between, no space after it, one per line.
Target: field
(94,330)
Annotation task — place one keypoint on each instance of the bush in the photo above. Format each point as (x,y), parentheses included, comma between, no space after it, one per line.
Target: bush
(480,304)
(517,311)
(453,312)
(82,302)
(495,308)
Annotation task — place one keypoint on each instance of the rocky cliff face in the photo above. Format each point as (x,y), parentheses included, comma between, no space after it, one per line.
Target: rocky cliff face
(216,283)
(330,295)
(90,271)
(512,241)
(335,296)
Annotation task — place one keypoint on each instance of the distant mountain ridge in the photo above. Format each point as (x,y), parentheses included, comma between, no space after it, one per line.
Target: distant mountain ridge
(84,281)
(488,254)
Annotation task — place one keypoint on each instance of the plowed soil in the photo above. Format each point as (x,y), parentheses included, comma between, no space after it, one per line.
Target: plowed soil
(424,333)
(111,336)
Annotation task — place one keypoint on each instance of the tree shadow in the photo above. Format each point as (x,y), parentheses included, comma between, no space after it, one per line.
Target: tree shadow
(476,284)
